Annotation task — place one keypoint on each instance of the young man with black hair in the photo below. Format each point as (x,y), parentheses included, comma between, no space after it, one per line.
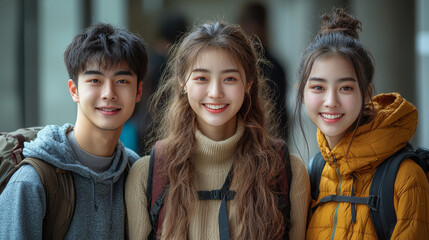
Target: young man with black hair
(106,66)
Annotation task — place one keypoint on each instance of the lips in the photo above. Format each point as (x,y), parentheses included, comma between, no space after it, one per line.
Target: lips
(108,110)
(331,116)
(216,108)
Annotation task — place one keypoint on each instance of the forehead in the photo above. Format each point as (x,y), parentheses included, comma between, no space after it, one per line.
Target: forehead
(332,66)
(215,59)
(106,66)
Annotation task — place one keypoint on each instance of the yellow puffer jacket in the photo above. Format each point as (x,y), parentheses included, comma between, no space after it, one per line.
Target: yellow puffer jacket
(393,126)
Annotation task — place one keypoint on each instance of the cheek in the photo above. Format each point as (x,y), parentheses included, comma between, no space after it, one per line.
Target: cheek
(354,104)
(239,93)
(311,100)
(194,94)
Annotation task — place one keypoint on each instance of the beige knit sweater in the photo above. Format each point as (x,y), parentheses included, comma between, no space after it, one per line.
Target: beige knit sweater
(212,160)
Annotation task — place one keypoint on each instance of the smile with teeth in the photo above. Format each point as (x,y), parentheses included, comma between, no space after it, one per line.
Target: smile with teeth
(331,116)
(215,107)
(108,109)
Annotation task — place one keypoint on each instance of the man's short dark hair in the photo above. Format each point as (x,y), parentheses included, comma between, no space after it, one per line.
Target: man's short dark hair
(107,46)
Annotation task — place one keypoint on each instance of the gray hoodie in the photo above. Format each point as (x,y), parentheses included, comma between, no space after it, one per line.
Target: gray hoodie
(99,210)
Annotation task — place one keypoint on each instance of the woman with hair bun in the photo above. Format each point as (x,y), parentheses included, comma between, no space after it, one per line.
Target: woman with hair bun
(356,133)
(216,132)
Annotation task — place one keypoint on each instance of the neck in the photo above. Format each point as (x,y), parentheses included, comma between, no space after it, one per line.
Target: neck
(96,141)
(220,133)
(331,142)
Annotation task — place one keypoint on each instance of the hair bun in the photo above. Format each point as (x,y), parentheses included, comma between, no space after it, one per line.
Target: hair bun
(340,22)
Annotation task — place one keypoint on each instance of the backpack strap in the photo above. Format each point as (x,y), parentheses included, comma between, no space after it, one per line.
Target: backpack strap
(422,156)
(381,192)
(17,151)
(383,182)
(60,198)
(155,193)
(222,194)
(315,169)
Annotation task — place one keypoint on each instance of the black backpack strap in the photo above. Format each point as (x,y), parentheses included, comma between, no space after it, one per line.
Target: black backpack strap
(383,183)
(422,155)
(315,168)
(222,194)
(60,198)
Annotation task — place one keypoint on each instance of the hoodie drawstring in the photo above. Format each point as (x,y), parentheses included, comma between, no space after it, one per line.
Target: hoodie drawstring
(111,200)
(93,194)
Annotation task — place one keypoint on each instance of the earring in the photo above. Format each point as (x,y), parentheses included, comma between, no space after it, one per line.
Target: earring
(184,91)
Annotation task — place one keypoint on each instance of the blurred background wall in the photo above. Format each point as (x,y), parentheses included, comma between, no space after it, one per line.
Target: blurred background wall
(35,33)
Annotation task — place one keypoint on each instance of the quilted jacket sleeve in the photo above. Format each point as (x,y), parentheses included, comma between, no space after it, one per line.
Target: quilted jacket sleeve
(411,202)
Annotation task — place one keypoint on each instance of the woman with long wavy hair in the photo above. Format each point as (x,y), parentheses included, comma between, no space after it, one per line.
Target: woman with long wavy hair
(214,118)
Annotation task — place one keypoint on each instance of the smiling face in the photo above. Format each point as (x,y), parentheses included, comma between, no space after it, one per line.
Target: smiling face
(332,97)
(215,89)
(105,97)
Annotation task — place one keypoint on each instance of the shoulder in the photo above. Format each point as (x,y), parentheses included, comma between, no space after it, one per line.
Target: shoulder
(139,172)
(297,165)
(132,156)
(410,175)
(141,164)
(300,179)
(26,174)
(24,182)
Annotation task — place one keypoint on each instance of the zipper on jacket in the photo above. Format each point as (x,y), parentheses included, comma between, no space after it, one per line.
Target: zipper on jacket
(338,205)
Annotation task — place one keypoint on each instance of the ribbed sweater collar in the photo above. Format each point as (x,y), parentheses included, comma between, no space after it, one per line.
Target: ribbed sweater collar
(216,156)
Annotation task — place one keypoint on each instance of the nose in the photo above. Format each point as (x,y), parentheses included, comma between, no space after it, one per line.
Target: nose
(331,99)
(215,89)
(108,92)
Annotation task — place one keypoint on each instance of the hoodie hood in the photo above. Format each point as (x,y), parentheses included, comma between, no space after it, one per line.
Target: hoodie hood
(52,146)
(394,124)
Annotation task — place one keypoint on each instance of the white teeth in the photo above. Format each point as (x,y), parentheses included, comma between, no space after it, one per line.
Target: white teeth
(331,116)
(215,106)
(107,109)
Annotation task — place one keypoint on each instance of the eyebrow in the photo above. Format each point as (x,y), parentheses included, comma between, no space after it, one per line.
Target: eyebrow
(346,79)
(232,70)
(96,72)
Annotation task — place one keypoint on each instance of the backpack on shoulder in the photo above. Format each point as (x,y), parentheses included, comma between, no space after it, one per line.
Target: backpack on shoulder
(58,184)
(156,189)
(381,192)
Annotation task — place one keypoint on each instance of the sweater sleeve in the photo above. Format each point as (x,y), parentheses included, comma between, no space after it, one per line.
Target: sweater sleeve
(23,206)
(139,225)
(299,198)
(411,202)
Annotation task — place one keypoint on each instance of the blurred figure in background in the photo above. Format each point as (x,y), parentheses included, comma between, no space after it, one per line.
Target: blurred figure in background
(253,19)
(136,133)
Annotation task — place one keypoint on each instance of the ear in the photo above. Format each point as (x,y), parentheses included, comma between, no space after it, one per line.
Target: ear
(73,91)
(139,92)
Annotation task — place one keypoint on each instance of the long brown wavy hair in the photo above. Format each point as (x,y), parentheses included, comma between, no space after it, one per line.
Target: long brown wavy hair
(257,166)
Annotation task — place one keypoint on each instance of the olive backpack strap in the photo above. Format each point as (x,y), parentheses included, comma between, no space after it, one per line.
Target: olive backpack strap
(60,198)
